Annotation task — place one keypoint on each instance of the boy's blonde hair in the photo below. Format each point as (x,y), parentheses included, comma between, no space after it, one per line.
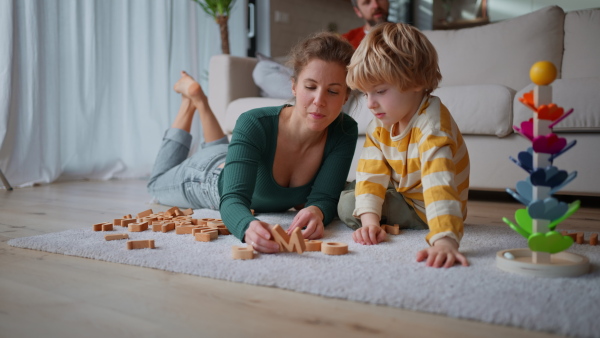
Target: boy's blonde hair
(395,53)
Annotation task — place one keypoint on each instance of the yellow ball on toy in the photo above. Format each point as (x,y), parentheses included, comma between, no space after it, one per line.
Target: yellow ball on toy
(542,73)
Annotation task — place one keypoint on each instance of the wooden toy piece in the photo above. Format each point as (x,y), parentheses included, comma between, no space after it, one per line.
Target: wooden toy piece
(564,232)
(288,243)
(572,235)
(188,212)
(579,238)
(138,227)
(214,234)
(392,229)
(252,212)
(202,237)
(103,227)
(117,221)
(144,213)
(240,252)
(223,230)
(312,245)
(198,229)
(157,226)
(167,226)
(185,229)
(126,221)
(594,239)
(113,237)
(140,244)
(334,248)
(128,216)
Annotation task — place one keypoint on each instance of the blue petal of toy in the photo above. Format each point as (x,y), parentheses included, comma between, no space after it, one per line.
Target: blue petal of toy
(566,181)
(518,197)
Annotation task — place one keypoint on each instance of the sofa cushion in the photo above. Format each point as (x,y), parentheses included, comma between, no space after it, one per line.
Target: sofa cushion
(582,44)
(273,78)
(240,106)
(502,52)
(579,94)
(479,109)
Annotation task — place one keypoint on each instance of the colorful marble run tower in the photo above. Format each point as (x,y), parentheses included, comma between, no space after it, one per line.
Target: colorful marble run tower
(546,256)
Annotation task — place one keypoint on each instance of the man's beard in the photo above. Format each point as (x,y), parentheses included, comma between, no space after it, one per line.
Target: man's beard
(374,22)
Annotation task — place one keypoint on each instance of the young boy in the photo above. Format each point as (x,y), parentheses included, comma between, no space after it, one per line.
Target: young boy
(412,143)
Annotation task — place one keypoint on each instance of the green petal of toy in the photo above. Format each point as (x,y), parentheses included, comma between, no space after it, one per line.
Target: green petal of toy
(551,242)
(524,220)
(572,208)
(516,228)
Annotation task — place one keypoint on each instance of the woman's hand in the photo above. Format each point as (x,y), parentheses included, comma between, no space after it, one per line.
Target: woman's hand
(444,252)
(259,236)
(312,218)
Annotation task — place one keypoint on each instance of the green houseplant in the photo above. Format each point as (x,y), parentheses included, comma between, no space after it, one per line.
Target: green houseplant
(219,10)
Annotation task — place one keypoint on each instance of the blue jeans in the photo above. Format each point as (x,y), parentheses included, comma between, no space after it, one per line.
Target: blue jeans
(184,182)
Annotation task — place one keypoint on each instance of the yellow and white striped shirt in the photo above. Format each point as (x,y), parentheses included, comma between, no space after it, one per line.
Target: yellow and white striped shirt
(428,164)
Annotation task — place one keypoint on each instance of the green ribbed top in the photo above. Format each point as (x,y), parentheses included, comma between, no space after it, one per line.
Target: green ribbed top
(247,182)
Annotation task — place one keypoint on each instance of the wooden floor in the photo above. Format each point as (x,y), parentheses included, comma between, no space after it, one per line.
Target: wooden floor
(50,295)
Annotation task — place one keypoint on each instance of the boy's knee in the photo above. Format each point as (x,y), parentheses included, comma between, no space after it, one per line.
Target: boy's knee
(346,209)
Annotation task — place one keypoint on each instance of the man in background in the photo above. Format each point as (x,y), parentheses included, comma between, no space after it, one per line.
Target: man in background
(373,12)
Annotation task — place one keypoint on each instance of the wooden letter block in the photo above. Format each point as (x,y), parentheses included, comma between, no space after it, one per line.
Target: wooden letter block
(188,212)
(138,227)
(141,244)
(312,245)
(240,252)
(117,221)
(594,239)
(223,230)
(334,248)
(185,229)
(126,221)
(202,237)
(392,229)
(144,213)
(288,243)
(574,236)
(103,227)
(579,239)
(115,237)
(214,234)
(157,226)
(168,226)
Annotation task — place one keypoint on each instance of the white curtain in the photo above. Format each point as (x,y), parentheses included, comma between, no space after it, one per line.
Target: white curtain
(86,85)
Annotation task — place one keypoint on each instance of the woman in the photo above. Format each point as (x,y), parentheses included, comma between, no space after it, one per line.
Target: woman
(279,157)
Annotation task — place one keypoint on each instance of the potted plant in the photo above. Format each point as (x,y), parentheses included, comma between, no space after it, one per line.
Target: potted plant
(219,10)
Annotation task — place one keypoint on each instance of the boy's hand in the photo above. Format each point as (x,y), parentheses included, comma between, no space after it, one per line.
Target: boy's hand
(369,234)
(444,252)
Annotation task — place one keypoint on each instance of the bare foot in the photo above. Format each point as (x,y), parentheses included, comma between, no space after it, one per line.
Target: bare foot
(188,87)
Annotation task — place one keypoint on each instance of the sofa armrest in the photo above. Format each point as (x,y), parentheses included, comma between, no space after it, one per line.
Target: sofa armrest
(229,78)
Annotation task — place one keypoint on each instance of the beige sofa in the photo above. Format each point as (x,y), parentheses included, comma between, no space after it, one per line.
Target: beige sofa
(485,70)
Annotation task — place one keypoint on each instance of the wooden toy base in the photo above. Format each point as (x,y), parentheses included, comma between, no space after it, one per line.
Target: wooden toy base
(562,264)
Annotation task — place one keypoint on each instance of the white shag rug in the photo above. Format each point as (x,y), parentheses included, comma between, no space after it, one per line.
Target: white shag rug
(385,274)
